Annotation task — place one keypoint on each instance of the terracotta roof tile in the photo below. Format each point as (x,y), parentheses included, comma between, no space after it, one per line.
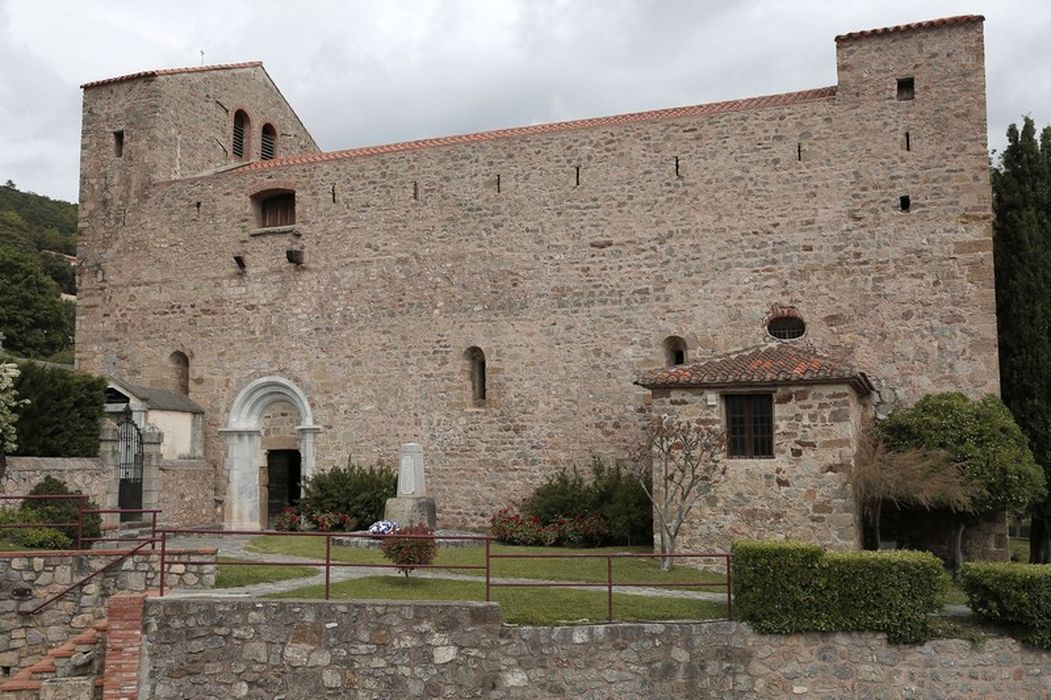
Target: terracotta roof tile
(172,71)
(928,24)
(762,102)
(765,365)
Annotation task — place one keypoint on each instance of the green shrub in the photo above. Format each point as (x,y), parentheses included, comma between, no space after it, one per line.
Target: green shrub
(40,538)
(61,510)
(1013,594)
(409,552)
(358,492)
(63,413)
(611,492)
(785,587)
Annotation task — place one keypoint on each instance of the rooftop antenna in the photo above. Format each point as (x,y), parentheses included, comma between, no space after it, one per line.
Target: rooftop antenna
(202,57)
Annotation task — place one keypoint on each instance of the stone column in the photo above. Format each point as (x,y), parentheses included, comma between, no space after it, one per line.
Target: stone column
(151,470)
(242,471)
(307,437)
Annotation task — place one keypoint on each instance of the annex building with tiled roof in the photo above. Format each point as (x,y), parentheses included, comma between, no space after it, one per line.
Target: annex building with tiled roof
(516,301)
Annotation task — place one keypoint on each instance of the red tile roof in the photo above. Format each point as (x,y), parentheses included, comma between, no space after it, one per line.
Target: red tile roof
(763,102)
(928,24)
(763,365)
(172,71)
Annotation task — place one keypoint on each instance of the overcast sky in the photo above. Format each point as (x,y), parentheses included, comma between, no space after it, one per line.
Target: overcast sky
(361,73)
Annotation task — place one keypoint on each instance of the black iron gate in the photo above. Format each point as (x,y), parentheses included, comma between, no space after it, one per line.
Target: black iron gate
(129,466)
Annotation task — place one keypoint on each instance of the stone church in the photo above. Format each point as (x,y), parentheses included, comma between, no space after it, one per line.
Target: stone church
(518,300)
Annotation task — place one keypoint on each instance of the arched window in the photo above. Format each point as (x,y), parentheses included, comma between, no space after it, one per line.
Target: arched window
(275,208)
(475,359)
(674,351)
(180,371)
(241,126)
(268,143)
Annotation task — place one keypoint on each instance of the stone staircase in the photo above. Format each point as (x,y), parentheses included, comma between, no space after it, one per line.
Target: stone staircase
(77,662)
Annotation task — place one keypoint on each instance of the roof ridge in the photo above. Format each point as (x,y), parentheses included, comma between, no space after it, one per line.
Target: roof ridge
(758,102)
(172,71)
(912,26)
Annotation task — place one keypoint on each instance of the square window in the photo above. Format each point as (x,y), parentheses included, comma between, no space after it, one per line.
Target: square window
(906,88)
(750,425)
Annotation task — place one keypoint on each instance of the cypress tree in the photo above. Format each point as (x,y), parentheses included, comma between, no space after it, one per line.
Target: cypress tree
(1022,252)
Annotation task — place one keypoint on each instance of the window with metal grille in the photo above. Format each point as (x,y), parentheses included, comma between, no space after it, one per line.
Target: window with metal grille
(786,327)
(268,143)
(750,425)
(278,210)
(240,130)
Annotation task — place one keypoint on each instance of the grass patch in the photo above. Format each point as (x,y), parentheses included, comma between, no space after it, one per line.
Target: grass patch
(1019,549)
(631,570)
(523,606)
(233,574)
(955,595)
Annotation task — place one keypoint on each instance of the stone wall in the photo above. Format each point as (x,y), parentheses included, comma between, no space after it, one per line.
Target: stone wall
(27,579)
(187,493)
(800,493)
(207,648)
(567,254)
(89,475)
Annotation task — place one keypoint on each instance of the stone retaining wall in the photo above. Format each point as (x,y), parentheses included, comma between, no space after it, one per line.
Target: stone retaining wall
(88,475)
(211,648)
(28,579)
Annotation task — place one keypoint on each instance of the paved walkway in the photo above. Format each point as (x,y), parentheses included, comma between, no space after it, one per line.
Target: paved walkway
(235,547)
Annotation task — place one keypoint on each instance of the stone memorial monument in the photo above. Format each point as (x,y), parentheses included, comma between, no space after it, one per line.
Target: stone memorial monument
(412,505)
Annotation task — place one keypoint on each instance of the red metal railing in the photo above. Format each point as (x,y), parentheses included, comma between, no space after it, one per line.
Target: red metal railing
(79,523)
(328,563)
(609,583)
(80,541)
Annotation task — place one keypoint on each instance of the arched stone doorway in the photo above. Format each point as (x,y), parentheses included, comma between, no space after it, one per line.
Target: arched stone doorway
(243,436)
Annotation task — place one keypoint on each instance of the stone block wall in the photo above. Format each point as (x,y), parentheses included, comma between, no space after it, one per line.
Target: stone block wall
(187,493)
(89,475)
(27,579)
(601,240)
(801,493)
(208,648)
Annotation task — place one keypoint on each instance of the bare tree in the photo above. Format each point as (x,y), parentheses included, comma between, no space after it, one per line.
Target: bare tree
(676,462)
(927,478)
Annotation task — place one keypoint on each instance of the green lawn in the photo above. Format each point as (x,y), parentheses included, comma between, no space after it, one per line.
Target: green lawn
(634,570)
(1020,549)
(233,574)
(530,606)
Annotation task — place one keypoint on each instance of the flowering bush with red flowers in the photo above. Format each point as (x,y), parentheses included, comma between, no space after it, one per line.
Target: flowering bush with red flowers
(409,552)
(583,531)
(333,522)
(288,520)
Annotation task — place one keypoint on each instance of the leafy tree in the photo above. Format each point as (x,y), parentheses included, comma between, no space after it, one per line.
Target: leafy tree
(998,468)
(677,461)
(32,317)
(1022,251)
(61,418)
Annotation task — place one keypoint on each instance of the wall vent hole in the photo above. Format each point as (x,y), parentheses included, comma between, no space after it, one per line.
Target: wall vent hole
(906,88)
(905,202)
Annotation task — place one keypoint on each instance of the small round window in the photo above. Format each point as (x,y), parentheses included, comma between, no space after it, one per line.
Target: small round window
(786,327)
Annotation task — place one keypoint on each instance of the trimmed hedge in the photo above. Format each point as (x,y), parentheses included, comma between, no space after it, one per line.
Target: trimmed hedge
(1013,594)
(786,587)
(63,413)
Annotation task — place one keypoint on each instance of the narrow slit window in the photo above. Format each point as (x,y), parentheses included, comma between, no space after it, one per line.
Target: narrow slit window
(906,88)
(268,143)
(240,131)
(476,365)
(908,141)
(118,143)
(905,202)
